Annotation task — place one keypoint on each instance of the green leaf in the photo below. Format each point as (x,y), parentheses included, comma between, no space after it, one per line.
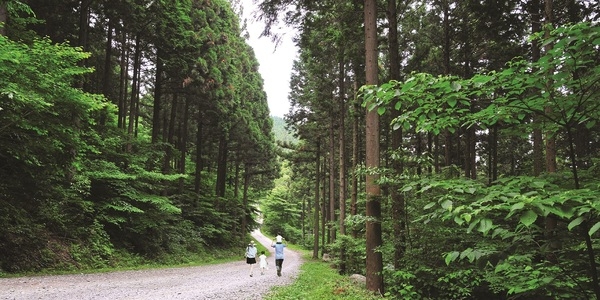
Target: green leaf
(528,218)
(485,225)
(516,206)
(575,223)
(381,110)
(450,257)
(589,124)
(452,102)
(467,217)
(447,204)
(429,205)
(455,85)
(594,229)
(458,220)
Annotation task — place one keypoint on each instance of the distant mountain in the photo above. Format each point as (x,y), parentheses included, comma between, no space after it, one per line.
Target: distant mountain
(280,132)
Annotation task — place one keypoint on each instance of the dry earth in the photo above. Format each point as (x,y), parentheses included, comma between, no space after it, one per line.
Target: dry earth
(222,281)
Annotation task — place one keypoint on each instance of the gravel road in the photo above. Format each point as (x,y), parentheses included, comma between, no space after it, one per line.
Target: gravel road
(222,281)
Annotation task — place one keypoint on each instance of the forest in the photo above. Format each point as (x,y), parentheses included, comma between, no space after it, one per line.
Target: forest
(131,131)
(445,149)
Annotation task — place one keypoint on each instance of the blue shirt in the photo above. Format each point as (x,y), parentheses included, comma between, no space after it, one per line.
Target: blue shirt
(251,252)
(278,250)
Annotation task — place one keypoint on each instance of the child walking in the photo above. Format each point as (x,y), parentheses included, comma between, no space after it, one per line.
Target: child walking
(251,256)
(262,262)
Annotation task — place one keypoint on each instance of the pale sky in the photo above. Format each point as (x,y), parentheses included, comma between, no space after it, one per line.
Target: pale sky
(275,63)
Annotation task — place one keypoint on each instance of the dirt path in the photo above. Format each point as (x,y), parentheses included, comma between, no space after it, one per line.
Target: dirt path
(222,281)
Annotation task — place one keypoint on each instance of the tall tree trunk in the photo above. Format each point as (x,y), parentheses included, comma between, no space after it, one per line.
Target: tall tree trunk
(183,139)
(106,87)
(331,235)
(538,140)
(123,81)
(137,100)
(158,90)
(397,164)
(84,24)
(246,209)
(171,136)
(354,192)
(374,261)
(199,144)
(222,166)
(342,145)
(3,17)
(342,157)
(447,134)
(551,221)
(316,208)
(132,102)
(324,208)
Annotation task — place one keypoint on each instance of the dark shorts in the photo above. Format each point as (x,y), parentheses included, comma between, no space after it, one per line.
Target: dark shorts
(250,260)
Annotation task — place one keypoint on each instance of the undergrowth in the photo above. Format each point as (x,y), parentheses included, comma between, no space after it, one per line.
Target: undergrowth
(317,280)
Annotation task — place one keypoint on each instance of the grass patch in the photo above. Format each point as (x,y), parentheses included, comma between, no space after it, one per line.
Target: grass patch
(317,280)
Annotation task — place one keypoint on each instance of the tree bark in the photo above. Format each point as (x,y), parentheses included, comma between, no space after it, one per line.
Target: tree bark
(199,163)
(221,166)
(183,140)
(123,82)
(158,89)
(397,165)
(331,221)
(538,140)
(132,102)
(354,192)
(374,261)
(342,147)
(316,208)
(3,17)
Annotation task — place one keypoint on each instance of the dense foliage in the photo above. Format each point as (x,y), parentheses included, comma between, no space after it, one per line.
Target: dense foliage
(130,131)
(489,140)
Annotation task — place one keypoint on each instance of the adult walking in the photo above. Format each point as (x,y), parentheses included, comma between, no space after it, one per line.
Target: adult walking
(279,246)
(251,256)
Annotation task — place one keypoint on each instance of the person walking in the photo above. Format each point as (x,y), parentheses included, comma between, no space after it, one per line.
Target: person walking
(251,256)
(279,246)
(262,262)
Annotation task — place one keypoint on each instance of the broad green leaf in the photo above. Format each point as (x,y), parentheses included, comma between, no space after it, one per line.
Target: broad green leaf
(538,184)
(452,102)
(590,124)
(455,85)
(473,225)
(447,204)
(450,257)
(485,225)
(466,252)
(467,217)
(575,223)
(429,205)
(528,218)
(518,205)
(458,220)
(594,229)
